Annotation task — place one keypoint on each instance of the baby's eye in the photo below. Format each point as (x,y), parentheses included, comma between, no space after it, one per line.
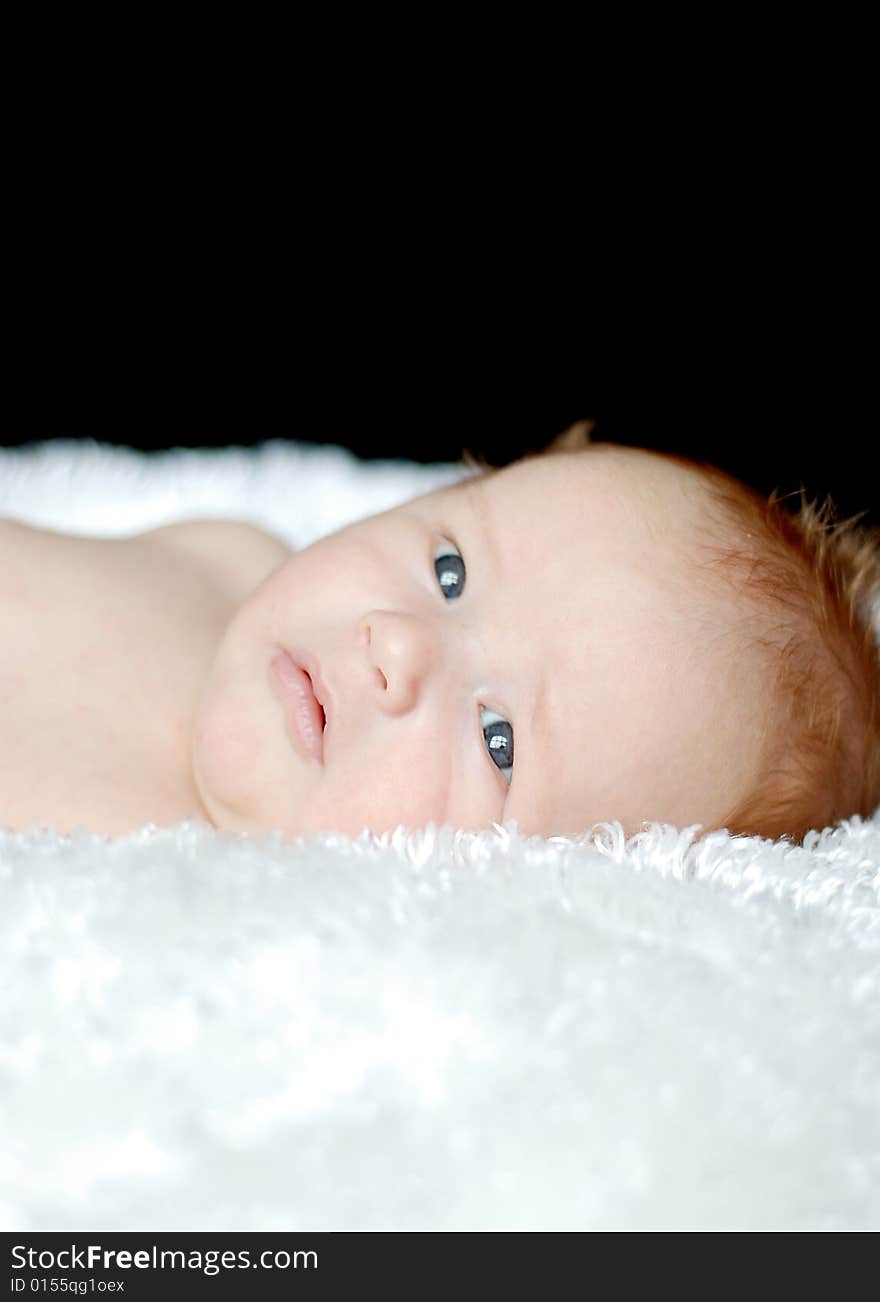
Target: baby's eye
(499,739)
(449,568)
(497,732)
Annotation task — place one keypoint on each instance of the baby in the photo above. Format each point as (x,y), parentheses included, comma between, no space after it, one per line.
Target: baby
(593,633)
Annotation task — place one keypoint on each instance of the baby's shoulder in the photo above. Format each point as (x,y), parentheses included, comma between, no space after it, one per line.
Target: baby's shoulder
(211,536)
(235,549)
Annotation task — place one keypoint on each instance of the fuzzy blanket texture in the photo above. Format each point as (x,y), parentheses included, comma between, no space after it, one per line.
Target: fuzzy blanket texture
(433,1029)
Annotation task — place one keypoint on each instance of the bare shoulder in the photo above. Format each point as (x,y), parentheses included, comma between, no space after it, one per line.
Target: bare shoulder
(198,537)
(232,548)
(233,556)
(213,535)
(14,530)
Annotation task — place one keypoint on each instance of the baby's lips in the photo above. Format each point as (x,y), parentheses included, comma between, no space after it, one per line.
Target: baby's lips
(304,714)
(310,666)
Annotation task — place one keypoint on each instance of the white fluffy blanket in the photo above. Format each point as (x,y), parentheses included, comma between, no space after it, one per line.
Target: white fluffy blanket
(434,1030)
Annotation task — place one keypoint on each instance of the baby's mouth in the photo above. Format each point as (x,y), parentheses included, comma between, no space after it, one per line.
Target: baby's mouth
(320,706)
(306,717)
(320,692)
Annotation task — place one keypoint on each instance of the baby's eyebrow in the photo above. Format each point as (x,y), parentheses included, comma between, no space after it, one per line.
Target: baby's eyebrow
(484,518)
(537,729)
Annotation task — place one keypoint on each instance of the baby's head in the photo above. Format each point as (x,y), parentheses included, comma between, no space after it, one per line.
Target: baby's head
(593,633)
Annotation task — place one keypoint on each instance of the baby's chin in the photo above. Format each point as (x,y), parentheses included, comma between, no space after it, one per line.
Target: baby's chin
(238,767)
(250,784)
(239,794)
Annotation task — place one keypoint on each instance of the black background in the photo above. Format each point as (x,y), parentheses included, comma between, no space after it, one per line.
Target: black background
(823,441)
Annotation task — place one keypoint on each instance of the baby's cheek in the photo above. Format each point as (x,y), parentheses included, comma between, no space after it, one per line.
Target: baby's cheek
(380,805)
(374,797)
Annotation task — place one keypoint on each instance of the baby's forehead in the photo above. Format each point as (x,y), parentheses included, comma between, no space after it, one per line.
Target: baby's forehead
(619,474)
(606,502)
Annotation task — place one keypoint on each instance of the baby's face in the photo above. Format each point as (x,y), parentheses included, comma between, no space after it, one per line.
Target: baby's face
(518,646)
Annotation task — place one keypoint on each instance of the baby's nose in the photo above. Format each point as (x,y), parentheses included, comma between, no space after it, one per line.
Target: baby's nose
(400,647)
